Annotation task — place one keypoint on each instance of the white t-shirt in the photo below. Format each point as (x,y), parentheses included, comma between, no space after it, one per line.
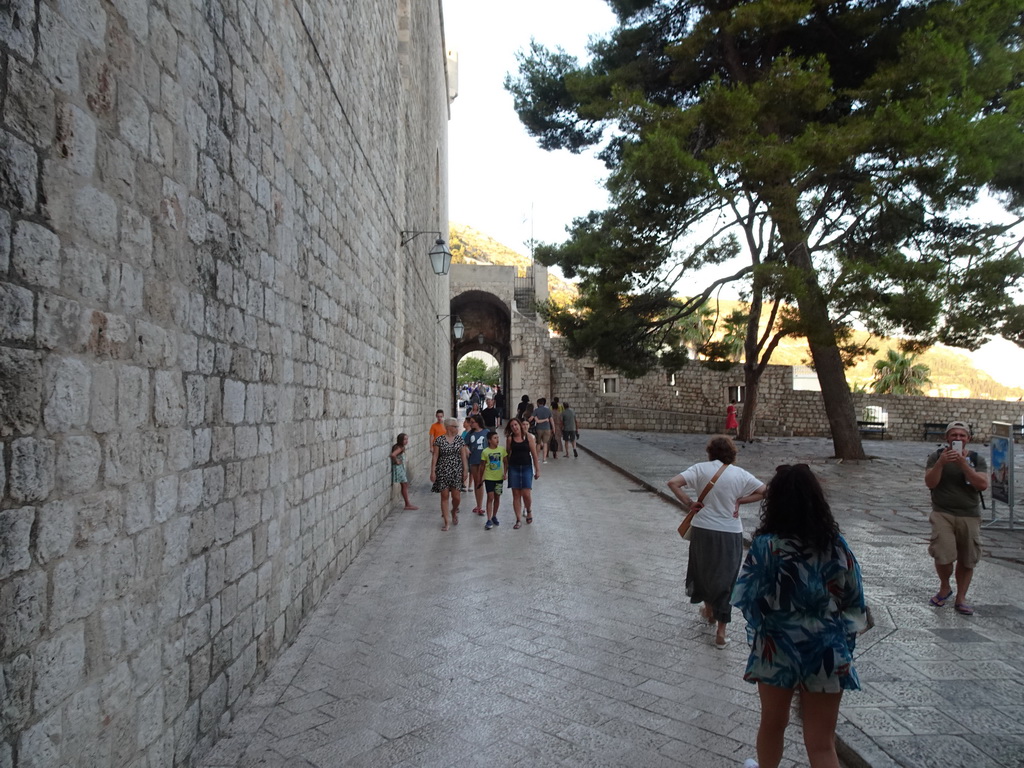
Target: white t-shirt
(719,510)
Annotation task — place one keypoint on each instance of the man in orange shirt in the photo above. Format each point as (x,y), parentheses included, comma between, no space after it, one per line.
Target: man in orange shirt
(436,429)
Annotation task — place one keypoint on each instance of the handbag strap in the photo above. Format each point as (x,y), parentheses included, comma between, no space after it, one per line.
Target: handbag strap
(711,484)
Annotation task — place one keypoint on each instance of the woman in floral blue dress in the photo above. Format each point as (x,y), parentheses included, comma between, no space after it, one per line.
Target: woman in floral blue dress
(801,593)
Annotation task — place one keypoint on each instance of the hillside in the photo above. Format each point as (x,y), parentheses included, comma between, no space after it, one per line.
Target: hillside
(952,372)
(470,246)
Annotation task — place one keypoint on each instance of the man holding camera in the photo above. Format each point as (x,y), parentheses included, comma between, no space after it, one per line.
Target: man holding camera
(956,478)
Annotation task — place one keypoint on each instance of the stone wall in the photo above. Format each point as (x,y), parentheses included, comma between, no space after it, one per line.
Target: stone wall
(695,398)
(209,336)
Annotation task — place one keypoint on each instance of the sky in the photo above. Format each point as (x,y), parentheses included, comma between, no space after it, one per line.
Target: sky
(500,182)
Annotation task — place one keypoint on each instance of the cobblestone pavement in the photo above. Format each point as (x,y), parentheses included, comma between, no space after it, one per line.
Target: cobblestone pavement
(568,642)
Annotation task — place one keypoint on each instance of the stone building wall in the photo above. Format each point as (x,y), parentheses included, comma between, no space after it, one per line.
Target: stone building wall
(209,336)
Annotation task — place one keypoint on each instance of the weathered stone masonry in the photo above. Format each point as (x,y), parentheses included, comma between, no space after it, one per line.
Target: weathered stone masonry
(209,337)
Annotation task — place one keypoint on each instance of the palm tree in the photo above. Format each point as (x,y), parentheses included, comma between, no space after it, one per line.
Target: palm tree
(898,374)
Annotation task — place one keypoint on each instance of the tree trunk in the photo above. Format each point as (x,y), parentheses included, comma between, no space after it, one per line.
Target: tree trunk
(828,364)
(751,371)
(752,382)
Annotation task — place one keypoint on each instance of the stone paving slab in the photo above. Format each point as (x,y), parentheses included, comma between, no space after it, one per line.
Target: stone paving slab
(940,689)
(569,642)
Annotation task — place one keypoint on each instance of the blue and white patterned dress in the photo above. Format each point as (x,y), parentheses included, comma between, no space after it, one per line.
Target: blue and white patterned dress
(803,612)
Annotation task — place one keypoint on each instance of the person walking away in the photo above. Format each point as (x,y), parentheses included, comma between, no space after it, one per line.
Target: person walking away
(556,427)
(716,544)
(730,418)
(449,468)
(495,473)
(542,422)
(523,405)
(801,593)
(398,472)
(476,441)
(436,429)
(955,477)
(523,468)
(570,430)
(499,403)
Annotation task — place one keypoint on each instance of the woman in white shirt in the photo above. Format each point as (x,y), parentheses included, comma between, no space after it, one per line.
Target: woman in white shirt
(716,543)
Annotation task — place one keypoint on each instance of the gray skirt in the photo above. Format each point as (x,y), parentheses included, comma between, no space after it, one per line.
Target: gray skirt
(712,567)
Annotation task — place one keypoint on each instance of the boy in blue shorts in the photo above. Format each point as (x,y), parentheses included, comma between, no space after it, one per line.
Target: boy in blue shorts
(495,459)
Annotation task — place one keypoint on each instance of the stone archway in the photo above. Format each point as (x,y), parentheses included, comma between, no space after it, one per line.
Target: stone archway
(488,322)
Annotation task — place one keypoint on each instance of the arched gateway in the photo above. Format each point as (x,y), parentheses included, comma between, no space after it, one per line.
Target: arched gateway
(484,298)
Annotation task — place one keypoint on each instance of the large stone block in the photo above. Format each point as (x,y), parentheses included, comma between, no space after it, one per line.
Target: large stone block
(121,457)
(66,396)
(29,109)
(78,463)
(15,539)
(60,323)
(16,322)
(17,25)
(234,401)
(23,606)
(59,667)
(94,213)
(132,396)
(32,469)
(133,120)
(18,185)
(39,745)
(21,389)
(75,136)
(84,273)
(169,400)
(5,241)
(77,587)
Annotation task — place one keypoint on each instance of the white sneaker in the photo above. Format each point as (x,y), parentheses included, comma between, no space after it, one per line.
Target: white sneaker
(750,763)
(545,461)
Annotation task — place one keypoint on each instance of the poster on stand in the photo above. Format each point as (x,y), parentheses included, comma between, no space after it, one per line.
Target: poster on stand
(1001,447)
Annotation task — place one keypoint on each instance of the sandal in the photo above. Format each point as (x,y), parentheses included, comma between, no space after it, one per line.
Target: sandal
(455,517)
(444,527)
(529,517)
(940,600)
(517,526)
(963,609)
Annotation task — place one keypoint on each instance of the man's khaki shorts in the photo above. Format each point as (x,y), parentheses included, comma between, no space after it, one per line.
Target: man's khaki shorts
(955,538)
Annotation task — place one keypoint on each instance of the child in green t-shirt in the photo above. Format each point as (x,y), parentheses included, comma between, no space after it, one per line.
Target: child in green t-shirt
(495,461)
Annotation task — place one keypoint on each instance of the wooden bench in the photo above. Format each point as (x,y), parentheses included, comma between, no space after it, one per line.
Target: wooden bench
(872,428)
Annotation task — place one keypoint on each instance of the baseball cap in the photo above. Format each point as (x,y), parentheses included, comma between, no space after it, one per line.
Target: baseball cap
(958,425)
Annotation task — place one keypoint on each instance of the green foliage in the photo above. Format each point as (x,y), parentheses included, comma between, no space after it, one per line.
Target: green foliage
(470,369)
(898,373)
(840,140)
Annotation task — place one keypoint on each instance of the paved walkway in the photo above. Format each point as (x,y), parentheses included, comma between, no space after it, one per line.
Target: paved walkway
(569,642)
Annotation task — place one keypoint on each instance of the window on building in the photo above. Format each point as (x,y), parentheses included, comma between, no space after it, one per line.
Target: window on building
(589,371)
(671,379)
(610,385)
(739,394)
